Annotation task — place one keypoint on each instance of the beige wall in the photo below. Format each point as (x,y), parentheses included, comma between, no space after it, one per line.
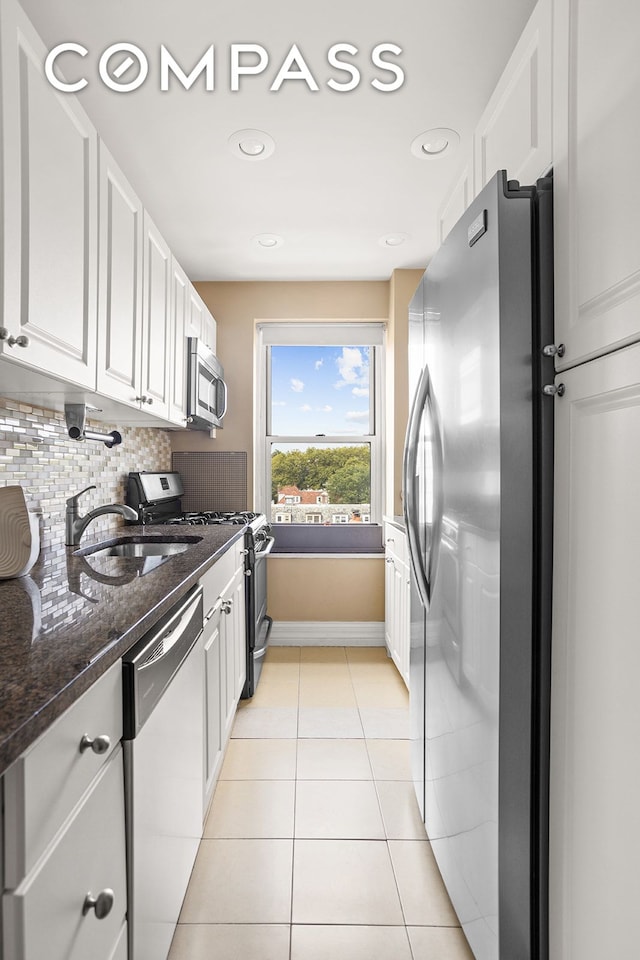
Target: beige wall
(402,287)
(326,589)
(312,589)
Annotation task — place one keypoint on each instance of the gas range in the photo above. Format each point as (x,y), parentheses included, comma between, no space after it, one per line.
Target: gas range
(157,498)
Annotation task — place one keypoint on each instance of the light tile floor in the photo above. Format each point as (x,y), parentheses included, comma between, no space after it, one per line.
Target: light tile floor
(314,848)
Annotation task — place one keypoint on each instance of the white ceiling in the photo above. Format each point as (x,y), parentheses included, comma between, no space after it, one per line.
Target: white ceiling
(342,175)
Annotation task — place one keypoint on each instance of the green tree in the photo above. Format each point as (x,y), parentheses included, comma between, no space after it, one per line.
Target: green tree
(350,484)
(317,468)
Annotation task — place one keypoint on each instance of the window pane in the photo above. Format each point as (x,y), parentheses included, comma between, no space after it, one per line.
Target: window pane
(320,391)
(320,483)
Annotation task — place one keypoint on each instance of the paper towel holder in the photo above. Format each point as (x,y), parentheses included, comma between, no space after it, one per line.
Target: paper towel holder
(76,415)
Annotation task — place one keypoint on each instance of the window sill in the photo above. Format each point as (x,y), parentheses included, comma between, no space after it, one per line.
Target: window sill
(290,555)
(337,540)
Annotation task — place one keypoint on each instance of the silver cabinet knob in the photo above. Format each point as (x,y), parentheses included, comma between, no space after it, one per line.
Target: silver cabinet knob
(389,560)
(21,341)
(102,904)
(97,744)
(226,606)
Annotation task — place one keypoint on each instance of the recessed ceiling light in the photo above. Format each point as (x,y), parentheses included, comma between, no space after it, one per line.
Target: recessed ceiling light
(251,144)
(393,239)
(268,240)
(437,142)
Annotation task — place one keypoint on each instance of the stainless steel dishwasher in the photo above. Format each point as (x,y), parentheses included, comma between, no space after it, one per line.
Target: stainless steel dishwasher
(163,751)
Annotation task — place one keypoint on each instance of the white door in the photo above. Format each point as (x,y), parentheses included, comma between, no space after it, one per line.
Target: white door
(156,323)
(179,332)
(597,189)
(595,762)
(120,307)
(50,198)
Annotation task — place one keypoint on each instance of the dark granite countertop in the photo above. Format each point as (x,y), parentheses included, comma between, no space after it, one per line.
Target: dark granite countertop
(66,622)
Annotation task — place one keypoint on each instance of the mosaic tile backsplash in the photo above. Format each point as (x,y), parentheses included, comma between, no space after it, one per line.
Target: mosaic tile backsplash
(36,452)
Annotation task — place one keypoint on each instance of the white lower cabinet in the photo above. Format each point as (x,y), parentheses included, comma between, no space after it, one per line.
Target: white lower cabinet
(224,658)
(397,598)
(64,835)
(72,905)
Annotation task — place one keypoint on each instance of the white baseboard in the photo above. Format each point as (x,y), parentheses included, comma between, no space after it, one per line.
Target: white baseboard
(330,633)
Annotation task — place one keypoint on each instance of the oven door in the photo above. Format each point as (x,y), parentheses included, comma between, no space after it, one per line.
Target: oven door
(206,388)
(260,592)
(259,627)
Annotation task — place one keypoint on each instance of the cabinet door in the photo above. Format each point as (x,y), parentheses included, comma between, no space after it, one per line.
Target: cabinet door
(596,184)
(515,130)
(214,731)
(120,306)
(389,601)
(239,635)
(156,321)
(179,332)
(595,765)
(50,212)
(458,199)
(196,313)
(209,331)
(44,916)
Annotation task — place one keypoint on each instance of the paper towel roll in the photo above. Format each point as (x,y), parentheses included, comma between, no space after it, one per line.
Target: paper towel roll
(19,534)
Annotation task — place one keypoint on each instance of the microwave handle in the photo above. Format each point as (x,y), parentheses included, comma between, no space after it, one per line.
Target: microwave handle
(226,391)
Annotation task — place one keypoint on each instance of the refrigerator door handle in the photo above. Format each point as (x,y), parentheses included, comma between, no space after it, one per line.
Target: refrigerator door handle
(424,571)
(410,485)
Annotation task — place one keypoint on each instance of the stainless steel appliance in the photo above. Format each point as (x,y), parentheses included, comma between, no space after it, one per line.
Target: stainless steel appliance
(206,387)
(156,498)
(163,747)
(478,497)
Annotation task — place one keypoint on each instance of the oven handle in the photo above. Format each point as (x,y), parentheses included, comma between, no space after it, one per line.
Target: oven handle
(270,544)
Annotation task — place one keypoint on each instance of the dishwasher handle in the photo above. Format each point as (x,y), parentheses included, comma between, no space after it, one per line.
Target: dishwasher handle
(150,665)
(162,643)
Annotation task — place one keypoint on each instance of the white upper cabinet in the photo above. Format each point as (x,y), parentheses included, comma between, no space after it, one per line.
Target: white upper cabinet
(180,288)
(457,200)
(120,309)
(156,311)
(50,199)
(515,130)
(597,190)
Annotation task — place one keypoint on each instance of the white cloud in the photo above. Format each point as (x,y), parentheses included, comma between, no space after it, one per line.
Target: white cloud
(357,415)
(360,391)
(296,385)
(305,407)
(325,409)
(318,364)
(353,368)
(279,403)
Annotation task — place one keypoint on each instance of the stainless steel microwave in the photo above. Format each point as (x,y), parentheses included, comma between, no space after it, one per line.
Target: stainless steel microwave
(206,389)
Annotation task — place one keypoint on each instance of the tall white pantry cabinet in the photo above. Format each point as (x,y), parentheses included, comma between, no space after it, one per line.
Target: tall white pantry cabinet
(595,722)
(569,99)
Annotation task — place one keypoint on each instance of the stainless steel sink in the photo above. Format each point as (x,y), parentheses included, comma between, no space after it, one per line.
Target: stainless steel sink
(141,550)
(138,547)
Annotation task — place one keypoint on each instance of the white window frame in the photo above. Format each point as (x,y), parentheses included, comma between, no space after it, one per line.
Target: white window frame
(313,518)
(324,333)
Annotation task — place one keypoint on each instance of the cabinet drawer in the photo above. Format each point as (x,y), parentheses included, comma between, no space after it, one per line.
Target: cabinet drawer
(44,916)
(47,781)
(395,542)
(219,576)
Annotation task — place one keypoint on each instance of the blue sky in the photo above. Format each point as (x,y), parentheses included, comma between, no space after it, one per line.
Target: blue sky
(320,390)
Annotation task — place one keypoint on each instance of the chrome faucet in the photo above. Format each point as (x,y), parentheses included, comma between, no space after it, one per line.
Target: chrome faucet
(75,525)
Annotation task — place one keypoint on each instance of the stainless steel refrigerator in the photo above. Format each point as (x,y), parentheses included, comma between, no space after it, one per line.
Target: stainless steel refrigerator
(478,499)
